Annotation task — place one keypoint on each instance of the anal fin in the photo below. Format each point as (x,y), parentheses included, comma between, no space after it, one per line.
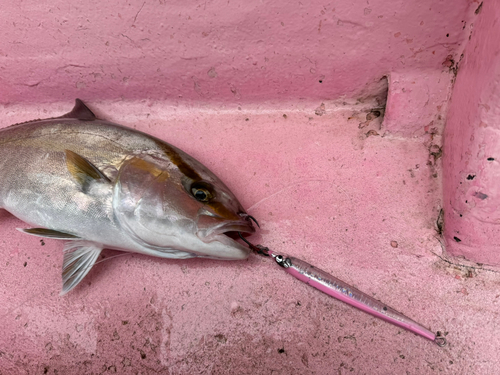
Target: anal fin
(48,233)
(79,257)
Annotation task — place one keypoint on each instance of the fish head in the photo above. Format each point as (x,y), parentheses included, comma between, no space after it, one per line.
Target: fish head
(170,204)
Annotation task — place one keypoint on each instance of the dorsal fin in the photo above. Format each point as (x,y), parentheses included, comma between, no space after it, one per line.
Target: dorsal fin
(81,112)
(83,170)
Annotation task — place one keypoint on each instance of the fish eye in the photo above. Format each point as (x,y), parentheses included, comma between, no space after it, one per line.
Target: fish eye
(201,192)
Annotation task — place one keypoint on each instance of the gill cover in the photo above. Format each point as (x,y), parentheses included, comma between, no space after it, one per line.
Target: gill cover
(151,205)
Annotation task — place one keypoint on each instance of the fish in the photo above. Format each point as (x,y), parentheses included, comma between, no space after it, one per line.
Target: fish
(99,185)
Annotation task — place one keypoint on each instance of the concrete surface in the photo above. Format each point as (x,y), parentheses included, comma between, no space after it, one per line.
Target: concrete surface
(361,206)
(472,146)
(280,100)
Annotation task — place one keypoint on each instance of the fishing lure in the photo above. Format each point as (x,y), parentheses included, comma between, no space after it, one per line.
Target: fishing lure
(344,292)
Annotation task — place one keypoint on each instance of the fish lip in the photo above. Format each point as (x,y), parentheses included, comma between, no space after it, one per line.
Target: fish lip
(223,238)
(221,234)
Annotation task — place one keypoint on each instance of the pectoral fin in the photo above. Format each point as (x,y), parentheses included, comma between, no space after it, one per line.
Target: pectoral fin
(49,233)
(79,257)
(83,170)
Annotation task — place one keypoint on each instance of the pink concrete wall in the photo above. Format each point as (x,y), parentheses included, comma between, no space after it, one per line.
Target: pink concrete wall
(472,147)
(225,51)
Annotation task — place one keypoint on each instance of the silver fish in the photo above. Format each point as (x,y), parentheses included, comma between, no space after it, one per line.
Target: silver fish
(101,185)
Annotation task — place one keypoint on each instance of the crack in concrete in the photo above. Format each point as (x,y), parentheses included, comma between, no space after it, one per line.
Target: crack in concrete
(478,267)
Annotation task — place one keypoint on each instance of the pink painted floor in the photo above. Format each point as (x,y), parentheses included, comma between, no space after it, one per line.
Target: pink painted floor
(363,208)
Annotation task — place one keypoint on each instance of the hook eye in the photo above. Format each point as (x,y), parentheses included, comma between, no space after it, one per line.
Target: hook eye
(440,341)
(282,261)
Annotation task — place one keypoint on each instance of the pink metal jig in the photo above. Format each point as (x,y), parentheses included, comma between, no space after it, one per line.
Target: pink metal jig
(344,292)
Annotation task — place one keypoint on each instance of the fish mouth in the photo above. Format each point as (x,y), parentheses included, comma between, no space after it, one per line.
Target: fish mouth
(231,229)
(227,233)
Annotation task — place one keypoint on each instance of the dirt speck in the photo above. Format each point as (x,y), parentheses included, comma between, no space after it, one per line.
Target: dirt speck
(320,111)
(480,195)
(478,9)
(371,132)
(212,73)
(221,338)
